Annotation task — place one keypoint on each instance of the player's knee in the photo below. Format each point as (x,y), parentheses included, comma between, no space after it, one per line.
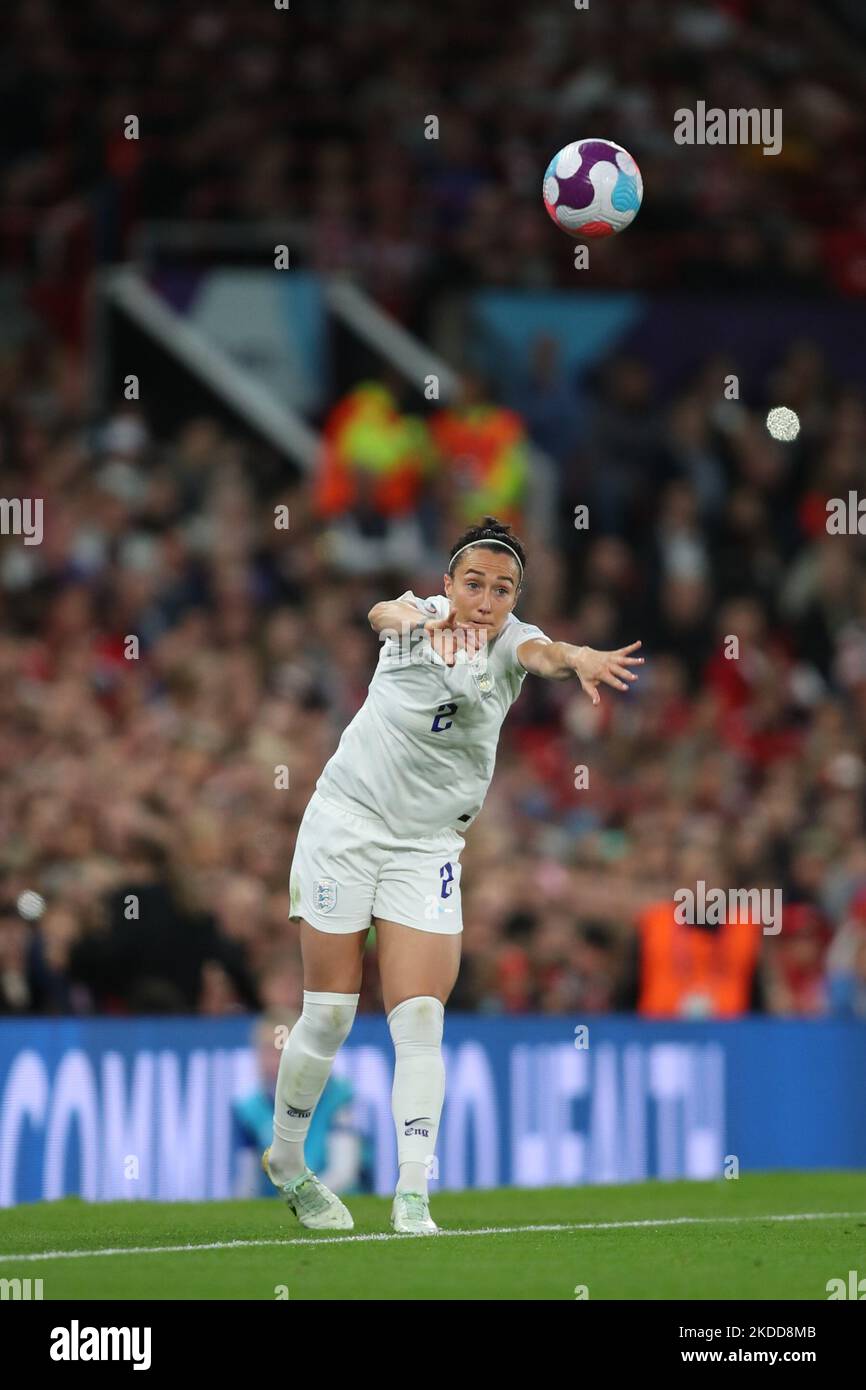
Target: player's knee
(418,1020)
(327,1019)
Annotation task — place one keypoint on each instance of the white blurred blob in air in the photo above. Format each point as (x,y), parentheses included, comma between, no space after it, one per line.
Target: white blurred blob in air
(30,905)
(783,423)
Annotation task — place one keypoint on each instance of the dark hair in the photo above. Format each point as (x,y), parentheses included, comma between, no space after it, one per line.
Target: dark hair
(490,533)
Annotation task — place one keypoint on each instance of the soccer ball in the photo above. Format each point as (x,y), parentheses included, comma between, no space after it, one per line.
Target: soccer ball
(592,188)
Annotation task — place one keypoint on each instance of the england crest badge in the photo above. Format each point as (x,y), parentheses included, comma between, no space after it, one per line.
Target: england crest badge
(325,894)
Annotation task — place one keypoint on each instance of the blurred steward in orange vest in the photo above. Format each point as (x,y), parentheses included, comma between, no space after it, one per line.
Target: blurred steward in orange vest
(372,454)
(700,971)
(484,457)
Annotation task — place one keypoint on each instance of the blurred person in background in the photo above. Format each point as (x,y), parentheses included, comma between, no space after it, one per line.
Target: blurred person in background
(846,963)
(698,969)
(548,401)
(795,963)
(154,954)
(333,1143)
(484,457)
(52,987)
(372,470)
(16,995)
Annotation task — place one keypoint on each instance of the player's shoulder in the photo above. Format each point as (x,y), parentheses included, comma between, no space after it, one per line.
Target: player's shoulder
(519,630)
(515,631)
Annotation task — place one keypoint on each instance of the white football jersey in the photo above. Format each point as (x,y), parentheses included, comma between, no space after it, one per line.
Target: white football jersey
(421,750)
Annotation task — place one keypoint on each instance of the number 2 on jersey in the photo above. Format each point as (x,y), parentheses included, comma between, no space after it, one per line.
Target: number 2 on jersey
(442,712)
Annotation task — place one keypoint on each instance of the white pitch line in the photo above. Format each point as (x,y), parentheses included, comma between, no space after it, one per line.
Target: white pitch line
(384,1235)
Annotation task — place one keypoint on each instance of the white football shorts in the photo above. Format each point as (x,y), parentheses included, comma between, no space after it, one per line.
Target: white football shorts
(348,869)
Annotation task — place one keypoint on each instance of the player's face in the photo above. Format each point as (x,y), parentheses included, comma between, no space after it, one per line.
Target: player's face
(484,588)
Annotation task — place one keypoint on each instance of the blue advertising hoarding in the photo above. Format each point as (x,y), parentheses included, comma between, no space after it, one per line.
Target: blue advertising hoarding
(142,1108)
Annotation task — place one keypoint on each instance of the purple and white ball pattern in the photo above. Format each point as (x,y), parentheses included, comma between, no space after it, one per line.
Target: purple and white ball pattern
(592,188)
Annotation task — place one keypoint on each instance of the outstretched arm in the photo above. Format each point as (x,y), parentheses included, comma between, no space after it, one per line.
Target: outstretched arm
(395,615)
(559,661)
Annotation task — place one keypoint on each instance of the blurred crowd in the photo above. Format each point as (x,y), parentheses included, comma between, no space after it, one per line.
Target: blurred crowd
(324,113)
(175,669)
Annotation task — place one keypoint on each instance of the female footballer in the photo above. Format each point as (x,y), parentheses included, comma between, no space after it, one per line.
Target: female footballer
(380,843)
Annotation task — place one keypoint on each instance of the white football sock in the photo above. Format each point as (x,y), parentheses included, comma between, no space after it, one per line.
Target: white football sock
(419,1086)
(308,1056)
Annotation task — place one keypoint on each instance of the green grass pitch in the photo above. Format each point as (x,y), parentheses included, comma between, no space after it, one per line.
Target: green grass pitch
(701,1240)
